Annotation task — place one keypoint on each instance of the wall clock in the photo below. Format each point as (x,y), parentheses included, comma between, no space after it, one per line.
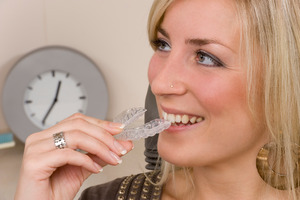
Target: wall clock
(50,84)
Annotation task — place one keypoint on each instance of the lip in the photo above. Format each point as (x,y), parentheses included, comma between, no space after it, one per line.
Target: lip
(177,129)
(177,112)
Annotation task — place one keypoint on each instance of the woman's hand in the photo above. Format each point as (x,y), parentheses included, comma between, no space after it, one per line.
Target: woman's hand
(51,173)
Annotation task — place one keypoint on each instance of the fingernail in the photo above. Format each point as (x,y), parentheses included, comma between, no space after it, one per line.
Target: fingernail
(99,169)
(116,157)
(116,125)
(120,147)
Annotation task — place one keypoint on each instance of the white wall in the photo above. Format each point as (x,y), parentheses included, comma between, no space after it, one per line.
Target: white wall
(111,32)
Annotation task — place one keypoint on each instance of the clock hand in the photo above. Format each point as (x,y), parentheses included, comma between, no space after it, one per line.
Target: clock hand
(53,103)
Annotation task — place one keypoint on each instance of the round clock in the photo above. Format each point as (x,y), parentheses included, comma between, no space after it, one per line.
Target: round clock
(49,84)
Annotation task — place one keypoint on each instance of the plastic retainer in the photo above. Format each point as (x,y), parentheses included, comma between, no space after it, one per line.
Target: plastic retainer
(146,130)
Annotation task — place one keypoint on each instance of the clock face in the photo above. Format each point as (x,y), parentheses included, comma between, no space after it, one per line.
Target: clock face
(53,96)
(48,85)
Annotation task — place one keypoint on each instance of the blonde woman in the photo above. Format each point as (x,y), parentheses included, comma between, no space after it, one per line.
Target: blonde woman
(226,73)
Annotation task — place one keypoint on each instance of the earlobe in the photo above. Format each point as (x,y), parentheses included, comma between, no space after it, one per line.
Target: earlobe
(272,167)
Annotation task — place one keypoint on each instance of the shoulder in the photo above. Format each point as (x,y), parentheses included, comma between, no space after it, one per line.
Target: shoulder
(139,186)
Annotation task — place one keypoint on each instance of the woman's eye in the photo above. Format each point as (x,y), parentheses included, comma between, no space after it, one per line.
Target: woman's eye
(207,59)
(161,45)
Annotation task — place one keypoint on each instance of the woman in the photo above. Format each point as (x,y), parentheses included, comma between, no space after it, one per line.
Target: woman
(226,74)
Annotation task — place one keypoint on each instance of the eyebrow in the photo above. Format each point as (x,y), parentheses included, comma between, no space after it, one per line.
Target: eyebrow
(201,42)
(163,32)
(195,41)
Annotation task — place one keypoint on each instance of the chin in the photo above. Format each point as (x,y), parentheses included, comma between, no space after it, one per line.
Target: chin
(174,155)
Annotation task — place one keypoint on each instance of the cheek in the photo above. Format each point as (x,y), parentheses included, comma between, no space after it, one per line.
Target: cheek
(153,68)
(221,95)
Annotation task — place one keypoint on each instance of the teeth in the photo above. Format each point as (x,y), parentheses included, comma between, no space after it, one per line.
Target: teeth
(193,120)
(177,119)
(171,118)
(184,119)
(200,119)
(165,116)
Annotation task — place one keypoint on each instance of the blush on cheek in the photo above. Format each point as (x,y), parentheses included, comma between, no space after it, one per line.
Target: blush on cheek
(221,97)
(151,69)
(155,68)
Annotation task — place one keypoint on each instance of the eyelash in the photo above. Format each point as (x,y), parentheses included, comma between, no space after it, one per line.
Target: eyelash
(159,44)
(216,61)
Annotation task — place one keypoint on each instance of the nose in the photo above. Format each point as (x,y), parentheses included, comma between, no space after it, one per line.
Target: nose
(166,75)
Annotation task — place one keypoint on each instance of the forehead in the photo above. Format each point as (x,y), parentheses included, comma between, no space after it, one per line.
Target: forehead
(210,19)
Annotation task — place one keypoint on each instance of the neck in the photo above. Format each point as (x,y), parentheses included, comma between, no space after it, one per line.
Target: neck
(227,182)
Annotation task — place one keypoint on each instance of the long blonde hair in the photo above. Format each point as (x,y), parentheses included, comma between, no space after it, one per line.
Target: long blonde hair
(270,44)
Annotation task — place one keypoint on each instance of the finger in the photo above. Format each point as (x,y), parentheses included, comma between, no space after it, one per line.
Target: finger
(76,121)
(84,125)
(62,157)
(112,127)
(46,163)
(80,140)
(97,160)
(127,144)
(77,140)
(81,125)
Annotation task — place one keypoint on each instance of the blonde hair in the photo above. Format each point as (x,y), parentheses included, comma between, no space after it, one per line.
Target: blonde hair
(270,44)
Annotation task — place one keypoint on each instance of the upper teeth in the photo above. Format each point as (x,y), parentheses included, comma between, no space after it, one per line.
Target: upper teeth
(175,118)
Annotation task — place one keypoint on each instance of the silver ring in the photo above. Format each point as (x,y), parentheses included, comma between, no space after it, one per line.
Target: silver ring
(59,140)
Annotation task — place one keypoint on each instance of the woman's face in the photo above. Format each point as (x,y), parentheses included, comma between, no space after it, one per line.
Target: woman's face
(200,85)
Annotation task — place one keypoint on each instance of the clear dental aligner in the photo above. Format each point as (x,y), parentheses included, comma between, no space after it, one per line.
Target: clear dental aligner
(128,116)
(146,130)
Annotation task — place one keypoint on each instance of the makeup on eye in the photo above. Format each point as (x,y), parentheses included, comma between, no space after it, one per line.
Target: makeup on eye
(207,59)
(161,45)
(202,57)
